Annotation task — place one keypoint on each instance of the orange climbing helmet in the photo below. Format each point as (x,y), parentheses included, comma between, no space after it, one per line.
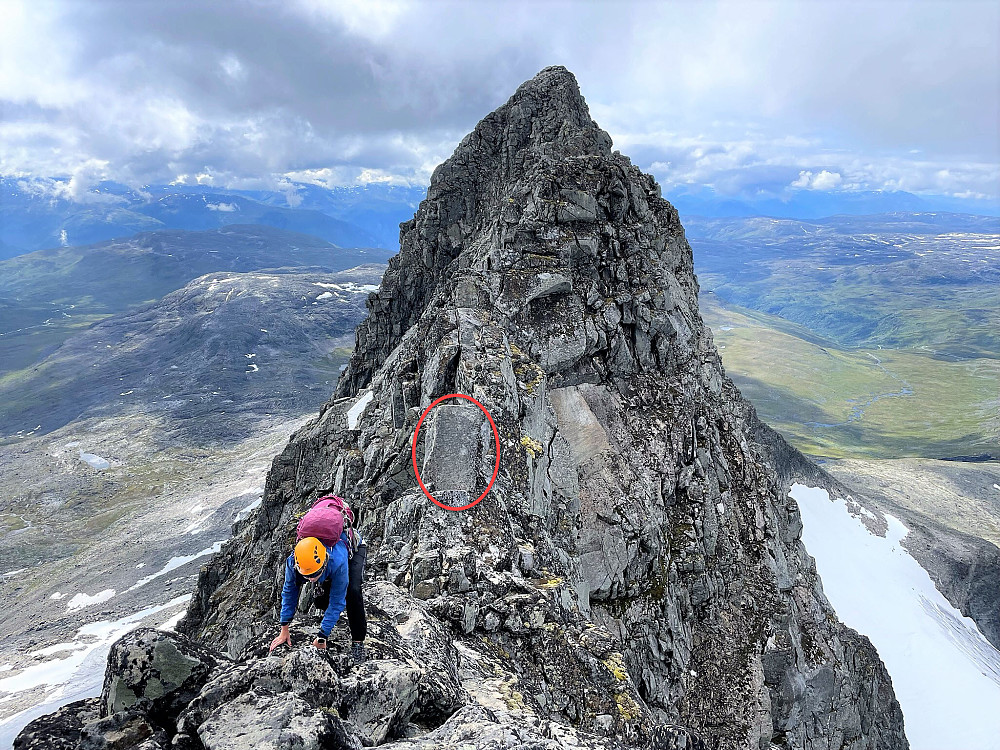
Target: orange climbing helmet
(310,556)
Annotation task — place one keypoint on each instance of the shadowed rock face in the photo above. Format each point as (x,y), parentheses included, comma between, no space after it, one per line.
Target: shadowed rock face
(635,576)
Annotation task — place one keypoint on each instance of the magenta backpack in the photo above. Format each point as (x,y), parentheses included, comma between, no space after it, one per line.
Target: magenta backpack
(325,520)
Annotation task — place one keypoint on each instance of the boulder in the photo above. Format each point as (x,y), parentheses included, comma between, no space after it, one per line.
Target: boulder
(379,699)
(163,668)
(59,730)
(274,722)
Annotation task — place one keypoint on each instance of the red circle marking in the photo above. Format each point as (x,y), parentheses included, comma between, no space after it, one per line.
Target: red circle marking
(413,452)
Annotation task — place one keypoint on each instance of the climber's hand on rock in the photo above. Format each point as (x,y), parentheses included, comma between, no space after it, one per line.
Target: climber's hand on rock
(284,637)
(320,643)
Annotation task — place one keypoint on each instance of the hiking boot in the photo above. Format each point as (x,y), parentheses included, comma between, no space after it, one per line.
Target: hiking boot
(358,651)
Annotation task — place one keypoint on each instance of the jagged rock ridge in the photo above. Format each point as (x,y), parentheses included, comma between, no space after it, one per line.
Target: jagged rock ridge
(635,577)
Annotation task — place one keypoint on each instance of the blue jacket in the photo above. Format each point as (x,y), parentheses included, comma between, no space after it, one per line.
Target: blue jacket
(335,570)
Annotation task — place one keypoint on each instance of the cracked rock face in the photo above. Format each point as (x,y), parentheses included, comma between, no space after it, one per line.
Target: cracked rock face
(635,577)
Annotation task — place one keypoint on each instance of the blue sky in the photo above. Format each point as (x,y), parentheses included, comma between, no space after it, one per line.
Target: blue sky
(745,98)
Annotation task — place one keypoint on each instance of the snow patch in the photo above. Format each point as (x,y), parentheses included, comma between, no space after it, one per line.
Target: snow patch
(227,208)
(350,287)
(252,368)
(245,513)
(84,600)
(945,673)
(196,527)
(13,573)
(325,295)
(170,624)
(176,562)
(94,460)
(355,412)
(56,648)
(57,596)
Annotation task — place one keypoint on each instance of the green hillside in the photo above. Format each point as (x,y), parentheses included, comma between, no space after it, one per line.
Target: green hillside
(835,402)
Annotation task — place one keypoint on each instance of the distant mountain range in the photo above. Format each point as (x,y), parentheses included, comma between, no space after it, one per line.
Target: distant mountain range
(34,215)
(249,346)
(117,273)
(816,204)
(33,218)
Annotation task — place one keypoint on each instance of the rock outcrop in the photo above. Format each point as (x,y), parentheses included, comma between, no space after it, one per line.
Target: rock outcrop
(634,578)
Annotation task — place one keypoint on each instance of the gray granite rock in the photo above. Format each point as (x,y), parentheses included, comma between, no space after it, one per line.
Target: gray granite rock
(268,722)
(59,730)
(452,440)
(383,697)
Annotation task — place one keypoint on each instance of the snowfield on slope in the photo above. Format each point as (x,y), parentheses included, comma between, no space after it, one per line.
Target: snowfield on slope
(945,673)
(80,674)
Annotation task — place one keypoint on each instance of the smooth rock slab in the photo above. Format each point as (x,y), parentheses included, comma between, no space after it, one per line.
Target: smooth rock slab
(547,284)
(452,447)
(273,722)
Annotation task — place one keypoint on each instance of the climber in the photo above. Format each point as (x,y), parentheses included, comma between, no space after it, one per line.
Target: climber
(330,554)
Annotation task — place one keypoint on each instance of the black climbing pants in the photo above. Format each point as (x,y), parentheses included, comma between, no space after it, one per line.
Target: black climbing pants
(356,617)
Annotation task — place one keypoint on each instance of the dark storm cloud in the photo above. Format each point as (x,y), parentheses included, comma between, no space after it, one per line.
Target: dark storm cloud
(245,87)
(239,59)
(886,94)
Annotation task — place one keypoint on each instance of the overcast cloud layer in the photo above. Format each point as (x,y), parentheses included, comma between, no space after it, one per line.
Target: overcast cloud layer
(743,97)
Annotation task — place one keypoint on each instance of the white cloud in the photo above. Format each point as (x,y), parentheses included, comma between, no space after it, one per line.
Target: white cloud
(232,67)
(375,19)
(825,180)
(80,186)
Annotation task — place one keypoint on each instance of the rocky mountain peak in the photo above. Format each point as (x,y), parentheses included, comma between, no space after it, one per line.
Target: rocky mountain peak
(532,193)
(635,576)
(546,116)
